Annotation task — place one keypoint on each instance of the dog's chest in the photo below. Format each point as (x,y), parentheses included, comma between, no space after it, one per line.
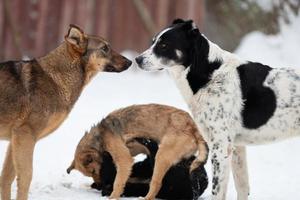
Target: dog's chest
(216,107)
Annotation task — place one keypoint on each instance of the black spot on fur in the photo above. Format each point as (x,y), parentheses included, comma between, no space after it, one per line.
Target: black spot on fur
(201,69)
(260,101)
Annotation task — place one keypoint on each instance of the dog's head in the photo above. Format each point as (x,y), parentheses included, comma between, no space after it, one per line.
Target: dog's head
(95,53)
(175,45)
(88,155)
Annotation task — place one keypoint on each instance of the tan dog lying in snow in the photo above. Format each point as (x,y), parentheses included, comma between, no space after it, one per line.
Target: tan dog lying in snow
(173,129)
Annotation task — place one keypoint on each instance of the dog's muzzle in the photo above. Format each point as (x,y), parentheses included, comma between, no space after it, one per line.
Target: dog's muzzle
(128,64)
(139,60)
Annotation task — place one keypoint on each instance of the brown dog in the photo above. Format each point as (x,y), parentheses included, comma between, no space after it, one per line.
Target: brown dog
(173,129)
(36,97)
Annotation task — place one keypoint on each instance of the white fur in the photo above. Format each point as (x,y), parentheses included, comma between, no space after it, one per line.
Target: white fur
(151,61)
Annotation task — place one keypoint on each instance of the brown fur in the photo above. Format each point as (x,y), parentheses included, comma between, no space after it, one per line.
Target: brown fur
(36,97)
(173,129)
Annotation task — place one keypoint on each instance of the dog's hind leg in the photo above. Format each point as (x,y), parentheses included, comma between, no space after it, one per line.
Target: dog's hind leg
(171,150)
(8,175)
(240,172)
(23,143)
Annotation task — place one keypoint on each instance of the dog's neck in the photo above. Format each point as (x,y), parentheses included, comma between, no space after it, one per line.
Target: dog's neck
(179,74)
(191,79)
(66,70)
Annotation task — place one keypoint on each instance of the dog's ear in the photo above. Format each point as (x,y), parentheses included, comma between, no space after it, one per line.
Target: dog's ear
(190,26)
(76,38)
(194,32)
(72,166)
(178,21)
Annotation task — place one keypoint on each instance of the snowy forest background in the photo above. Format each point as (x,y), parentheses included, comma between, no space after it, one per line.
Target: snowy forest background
(267,31)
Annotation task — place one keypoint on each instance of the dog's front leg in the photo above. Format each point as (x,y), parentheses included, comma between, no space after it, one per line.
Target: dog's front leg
(23,143)
(240,172)
(123,161)
(8,175)
(220,158)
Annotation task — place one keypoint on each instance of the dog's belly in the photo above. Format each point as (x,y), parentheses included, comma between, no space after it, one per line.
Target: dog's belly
(53,122)
(254,137)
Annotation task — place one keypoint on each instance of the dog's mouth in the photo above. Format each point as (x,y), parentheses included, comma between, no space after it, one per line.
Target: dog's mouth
(149,69)
(110,68)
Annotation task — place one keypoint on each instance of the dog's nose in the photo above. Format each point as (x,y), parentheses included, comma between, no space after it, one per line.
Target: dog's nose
(139,60)
(128,63)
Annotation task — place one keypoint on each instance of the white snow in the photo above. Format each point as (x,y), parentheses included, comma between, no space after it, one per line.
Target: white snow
(274,169)
(281,50)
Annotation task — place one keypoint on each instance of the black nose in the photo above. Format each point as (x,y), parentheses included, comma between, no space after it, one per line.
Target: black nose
(139,60)
(128,63)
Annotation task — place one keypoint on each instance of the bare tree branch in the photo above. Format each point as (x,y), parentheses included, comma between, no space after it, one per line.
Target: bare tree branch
(15,34)
(145,16)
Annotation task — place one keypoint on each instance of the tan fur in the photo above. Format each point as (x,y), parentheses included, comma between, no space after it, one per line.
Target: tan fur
(53,123)
(173,129)
(36,97)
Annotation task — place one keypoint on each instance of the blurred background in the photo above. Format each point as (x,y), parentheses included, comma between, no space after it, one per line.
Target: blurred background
(266,31)
(33,27)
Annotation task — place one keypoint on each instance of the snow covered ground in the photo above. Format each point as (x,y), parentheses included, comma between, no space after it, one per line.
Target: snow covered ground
(274,169)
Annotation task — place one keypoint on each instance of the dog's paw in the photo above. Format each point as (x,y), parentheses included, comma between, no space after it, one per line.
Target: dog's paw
(145,198)
(96,186)
(113,198)
(106,191)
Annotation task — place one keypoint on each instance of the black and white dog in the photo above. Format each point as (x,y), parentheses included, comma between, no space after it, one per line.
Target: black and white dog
(234,102)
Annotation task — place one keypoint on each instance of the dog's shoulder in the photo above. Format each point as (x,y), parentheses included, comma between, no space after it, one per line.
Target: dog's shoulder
(20,70)
(253,73)
(13,68)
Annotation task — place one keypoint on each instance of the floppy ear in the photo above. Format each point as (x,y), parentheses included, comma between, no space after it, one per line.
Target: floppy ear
(178,21)
(76,38)
(72,166)
(201,69)
(194,32)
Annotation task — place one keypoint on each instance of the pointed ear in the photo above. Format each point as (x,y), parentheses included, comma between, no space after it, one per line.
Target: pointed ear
(76,38)
(72,166)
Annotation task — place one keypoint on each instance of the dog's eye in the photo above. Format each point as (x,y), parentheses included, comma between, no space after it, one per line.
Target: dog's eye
(105,49)
(162,45)
(88,160)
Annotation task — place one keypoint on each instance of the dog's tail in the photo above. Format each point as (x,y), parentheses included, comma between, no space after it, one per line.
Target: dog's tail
(202,156)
